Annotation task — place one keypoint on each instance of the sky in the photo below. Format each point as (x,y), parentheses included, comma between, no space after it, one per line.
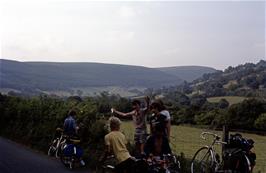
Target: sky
(147,33)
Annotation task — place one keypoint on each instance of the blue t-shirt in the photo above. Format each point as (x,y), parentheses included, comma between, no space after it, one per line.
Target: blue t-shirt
(70,126)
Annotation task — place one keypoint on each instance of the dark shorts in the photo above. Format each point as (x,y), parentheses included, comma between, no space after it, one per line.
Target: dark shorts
(140,136)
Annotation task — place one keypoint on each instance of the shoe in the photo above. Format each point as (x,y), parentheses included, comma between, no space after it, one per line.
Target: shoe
(82,163)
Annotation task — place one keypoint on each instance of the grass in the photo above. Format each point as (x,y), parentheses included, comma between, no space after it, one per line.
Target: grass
(231,99)
(187,140)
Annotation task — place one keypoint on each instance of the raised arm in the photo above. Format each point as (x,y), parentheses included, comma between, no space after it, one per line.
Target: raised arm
(147,100)
(123,114)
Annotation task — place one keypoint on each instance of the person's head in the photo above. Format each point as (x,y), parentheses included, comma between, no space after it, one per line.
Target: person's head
(161,103)
(72,113)
(136,104)
(114,123)
(156,107)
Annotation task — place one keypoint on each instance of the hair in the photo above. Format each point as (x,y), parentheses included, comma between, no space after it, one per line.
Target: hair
(114,122)
(72,112)
(156,105)
(161,103)
(136,102)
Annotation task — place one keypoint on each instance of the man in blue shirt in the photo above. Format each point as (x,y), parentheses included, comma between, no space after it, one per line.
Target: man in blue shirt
(70,127)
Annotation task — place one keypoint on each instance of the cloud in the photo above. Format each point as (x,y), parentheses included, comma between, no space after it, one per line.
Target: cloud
(126,12)
(173,51)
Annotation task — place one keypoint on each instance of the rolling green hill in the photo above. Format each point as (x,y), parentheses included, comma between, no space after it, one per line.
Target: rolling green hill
(188,73)
(48,76)
(66,79)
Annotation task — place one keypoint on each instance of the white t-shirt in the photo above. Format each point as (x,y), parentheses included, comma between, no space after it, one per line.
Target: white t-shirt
(167,114)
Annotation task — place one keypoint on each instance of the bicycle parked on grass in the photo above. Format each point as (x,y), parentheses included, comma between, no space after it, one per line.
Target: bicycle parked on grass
(235,159)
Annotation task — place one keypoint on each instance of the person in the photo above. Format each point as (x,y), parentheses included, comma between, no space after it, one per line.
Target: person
(158,119)
(139,119)
(157,144)
(165,112)
(115,142)
(71,131)
(70,126)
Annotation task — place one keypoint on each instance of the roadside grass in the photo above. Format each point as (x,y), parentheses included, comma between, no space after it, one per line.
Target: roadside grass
(187,140)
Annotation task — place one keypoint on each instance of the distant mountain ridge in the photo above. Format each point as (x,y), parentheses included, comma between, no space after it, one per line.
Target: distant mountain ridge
(187,73)
(50,76)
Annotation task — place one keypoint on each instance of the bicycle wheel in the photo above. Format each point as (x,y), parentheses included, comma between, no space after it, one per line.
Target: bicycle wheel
(202,161)
(52,149)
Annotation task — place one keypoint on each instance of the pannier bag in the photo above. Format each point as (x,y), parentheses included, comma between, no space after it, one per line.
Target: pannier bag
(238,156)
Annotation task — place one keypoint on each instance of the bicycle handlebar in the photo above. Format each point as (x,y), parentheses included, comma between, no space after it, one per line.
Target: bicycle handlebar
(216,137)
(209,133)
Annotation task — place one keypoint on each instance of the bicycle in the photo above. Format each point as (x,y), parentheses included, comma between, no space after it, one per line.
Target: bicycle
(206,160)
(71,155)
(57,144)
(234,160)
(168,164)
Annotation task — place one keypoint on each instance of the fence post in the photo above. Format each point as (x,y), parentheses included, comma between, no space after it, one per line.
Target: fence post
(225,136)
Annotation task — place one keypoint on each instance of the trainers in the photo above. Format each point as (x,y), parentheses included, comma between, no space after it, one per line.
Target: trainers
(82,163)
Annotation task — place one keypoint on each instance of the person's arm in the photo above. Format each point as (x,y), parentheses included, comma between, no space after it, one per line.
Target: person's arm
(107,150)
(123,114)
(168,128)
(147,100)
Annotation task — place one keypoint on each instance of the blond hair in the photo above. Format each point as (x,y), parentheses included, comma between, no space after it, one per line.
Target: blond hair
(114,123)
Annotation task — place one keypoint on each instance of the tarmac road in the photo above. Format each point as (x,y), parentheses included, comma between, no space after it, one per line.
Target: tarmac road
(16,158)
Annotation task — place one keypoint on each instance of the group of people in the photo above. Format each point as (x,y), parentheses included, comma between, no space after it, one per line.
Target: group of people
(154,145)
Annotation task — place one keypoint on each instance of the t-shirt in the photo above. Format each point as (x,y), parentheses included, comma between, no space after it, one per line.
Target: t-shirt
(139,119)
(158,120)
(167,114)
(70,126)
(117,141)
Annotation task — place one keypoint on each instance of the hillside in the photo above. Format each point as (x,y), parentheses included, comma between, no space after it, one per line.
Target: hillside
(188,73)
(244,80)
(48,76)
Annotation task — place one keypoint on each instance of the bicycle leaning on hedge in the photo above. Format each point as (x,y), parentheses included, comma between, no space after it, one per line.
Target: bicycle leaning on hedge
(57,143)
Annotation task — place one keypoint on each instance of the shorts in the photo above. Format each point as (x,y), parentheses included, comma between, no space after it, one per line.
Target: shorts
(140,136)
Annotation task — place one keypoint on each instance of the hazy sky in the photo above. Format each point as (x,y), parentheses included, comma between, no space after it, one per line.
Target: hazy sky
(153,34)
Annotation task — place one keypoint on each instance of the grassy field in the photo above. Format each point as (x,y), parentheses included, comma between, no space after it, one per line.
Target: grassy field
(231,99)
(187,140)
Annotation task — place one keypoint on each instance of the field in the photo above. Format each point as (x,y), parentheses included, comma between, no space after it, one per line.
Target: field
(231,99)
(187,140)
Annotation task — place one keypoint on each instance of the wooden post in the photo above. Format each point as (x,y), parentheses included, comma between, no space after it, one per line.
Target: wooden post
(225,136)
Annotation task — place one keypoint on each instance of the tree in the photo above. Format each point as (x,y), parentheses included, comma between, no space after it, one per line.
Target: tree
(260,122)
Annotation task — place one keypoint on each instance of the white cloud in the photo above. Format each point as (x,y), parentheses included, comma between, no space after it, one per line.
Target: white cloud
(126,12)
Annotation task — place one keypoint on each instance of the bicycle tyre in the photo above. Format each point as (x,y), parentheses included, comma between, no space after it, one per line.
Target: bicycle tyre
(52,149)
(200,166)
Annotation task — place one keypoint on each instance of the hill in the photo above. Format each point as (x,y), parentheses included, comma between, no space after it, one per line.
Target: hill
(248,80)
(188,73)
(48,76)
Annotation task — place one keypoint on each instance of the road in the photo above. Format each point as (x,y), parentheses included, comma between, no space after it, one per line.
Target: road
(16,158)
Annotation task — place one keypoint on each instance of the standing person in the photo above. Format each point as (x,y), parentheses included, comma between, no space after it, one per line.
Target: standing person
(71,130)
(70,126)
(165,112)
(139,119)
(115,143)
(158,120)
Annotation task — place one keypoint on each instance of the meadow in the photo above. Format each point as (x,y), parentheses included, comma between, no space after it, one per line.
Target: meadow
(187,140)
(231,99)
